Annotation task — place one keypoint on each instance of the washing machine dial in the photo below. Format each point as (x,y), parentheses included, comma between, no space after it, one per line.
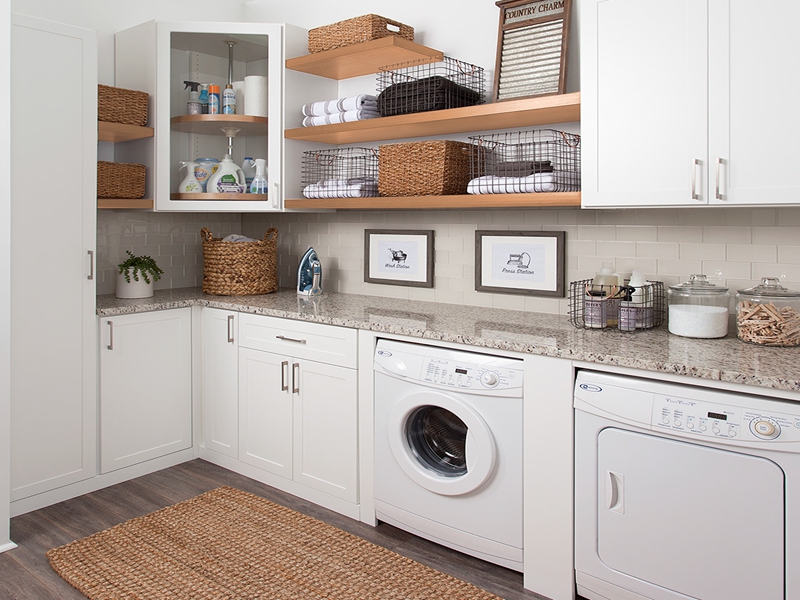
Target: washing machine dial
(766,429)
(490,379)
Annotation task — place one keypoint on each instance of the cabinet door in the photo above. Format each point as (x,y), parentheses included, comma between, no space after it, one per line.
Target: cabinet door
(644,102)
(53,232)
(145,386)
(220,382)
(265,411)
(753,119)
(326,428)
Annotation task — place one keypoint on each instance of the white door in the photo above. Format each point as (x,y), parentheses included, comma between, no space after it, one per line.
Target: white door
(753,118)
(53,99)
(220,381)
(145,386)
(644,102)
(326,428)
(695,520)
(265,411)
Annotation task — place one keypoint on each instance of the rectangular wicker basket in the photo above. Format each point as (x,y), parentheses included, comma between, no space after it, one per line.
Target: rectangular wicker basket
(427,168)
(240,268)
(120,180)
(118,105)
(354,31)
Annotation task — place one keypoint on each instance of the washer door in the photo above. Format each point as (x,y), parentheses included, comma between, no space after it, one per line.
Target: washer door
(441,443)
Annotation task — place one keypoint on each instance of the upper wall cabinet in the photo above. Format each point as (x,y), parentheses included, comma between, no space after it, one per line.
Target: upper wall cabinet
(158,57)
(675,109)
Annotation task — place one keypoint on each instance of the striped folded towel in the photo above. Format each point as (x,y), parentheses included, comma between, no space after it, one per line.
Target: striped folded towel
(329,107)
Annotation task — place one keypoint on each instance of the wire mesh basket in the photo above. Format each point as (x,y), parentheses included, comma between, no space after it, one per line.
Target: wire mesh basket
(340,173)
(540,160)
(615,307)
(413,87)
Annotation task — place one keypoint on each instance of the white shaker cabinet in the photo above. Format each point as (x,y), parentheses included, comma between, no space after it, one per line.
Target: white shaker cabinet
(689,103)
(53,231)
(298,403)
(220,391)
(145,386)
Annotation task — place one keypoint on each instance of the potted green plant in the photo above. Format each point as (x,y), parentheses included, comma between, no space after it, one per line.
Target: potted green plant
(135,276)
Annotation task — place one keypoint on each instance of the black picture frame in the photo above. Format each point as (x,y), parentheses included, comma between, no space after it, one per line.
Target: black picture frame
(398,257)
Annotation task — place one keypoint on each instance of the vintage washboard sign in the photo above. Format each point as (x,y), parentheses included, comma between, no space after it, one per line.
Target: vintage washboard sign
(531,48)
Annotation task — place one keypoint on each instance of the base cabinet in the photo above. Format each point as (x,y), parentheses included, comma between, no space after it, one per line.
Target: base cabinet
(145,386)
(220,389)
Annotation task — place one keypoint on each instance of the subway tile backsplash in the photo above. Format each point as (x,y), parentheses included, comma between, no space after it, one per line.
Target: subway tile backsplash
(736,246)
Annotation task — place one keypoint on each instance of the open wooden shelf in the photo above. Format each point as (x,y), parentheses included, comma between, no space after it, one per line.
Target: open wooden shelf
(121,132)
(140,203)
(461,201)
(365,58)
(543,110)
(204,197)
(212,124)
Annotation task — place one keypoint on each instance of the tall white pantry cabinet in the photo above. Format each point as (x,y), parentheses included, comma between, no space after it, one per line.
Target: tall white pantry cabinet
(689,103)
(53,232)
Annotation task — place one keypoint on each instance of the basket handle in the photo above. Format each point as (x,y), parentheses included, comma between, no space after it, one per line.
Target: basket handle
(205,233)
(395,23)
(333,158)
(269,231)
(575,136)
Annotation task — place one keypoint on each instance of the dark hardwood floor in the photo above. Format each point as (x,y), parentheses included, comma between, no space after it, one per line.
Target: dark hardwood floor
(25,573)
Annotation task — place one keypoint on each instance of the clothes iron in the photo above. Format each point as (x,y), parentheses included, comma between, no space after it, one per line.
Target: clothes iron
(309,274)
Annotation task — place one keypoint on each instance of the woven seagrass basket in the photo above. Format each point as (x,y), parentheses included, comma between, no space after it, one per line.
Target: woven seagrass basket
(118,105)
(240,268)
(428,168)
(120,180)
(354,31)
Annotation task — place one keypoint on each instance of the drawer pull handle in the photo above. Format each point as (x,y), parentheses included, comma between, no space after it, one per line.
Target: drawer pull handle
(284,374)
(695,195)
(295,378)
(230,329)
(91,264)
(110,335)
(288,339)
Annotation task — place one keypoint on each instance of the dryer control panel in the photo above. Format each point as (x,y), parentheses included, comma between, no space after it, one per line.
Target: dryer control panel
(462,374)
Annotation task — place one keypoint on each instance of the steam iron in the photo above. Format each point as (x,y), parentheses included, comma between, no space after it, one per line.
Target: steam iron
(309,274)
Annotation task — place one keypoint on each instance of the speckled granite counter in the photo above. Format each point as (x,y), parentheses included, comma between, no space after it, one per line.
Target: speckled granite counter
(725,359)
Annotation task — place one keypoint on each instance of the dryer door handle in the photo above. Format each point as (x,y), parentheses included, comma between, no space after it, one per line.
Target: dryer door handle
(615,492)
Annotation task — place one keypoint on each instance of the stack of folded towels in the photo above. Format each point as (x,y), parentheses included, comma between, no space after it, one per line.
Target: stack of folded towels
(354,187)
(516,177)
(343,110)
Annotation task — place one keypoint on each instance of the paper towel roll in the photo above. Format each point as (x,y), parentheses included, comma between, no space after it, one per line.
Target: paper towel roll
(238,87)
(255,96)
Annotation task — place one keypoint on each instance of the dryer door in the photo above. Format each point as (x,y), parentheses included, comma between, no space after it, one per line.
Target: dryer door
(441,443)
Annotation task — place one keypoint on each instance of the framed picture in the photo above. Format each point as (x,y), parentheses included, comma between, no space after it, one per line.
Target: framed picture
(520,262)
(398,257)
(532,43)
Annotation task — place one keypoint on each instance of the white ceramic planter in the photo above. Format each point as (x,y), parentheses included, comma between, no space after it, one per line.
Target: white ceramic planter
(134,289)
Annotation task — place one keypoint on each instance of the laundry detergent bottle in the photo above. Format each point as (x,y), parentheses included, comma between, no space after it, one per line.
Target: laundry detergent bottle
(189,185)
(229,178)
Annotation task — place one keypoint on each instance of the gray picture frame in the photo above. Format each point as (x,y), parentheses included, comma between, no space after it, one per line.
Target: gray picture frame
(536,267)
(394,268)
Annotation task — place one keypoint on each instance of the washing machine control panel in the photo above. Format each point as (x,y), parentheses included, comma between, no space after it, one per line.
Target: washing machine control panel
(709,420)
(463,375)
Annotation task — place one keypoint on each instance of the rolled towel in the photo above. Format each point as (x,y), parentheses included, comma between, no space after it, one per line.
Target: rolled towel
(342,117)
(329,107)
(540,182)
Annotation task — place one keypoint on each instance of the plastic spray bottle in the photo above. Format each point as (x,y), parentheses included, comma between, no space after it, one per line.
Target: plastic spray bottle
(189,185)
(193,106)
(259,183)
(204,98)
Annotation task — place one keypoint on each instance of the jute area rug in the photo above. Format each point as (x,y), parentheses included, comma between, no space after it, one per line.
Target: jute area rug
(230,544)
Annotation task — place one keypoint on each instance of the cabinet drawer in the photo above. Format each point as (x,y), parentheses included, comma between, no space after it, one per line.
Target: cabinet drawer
(322,343)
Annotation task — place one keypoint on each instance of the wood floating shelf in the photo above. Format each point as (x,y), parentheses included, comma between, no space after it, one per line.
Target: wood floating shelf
(138,203)
(213,124)
(205,197)
(460,201)
(543,110)
(121,132)
(364,58)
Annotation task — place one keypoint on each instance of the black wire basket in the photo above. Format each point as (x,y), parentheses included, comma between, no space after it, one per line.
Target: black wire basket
(413,87)
(593,306)
(340,173)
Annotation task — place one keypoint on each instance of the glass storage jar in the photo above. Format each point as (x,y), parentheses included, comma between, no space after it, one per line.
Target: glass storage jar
(768,314)
(698,308)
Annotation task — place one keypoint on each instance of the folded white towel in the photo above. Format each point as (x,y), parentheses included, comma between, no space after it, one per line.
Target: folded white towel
(539,182)
(357,187)
(329,107)
(342,117)
(236,237)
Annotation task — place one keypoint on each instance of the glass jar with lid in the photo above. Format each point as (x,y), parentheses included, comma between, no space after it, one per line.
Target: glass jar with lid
(698,308)
(768,314)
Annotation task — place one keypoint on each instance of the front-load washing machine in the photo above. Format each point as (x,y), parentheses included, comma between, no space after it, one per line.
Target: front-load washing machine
(448,448)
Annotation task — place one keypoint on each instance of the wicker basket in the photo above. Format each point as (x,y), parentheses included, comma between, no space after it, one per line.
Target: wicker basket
(120,180)
(354,31)
(118,105)
(429,168)
(240,268)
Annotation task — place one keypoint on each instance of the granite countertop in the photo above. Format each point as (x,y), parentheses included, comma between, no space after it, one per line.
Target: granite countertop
(726,359)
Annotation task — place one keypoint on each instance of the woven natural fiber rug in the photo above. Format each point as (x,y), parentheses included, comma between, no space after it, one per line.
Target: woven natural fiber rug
(230,544)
